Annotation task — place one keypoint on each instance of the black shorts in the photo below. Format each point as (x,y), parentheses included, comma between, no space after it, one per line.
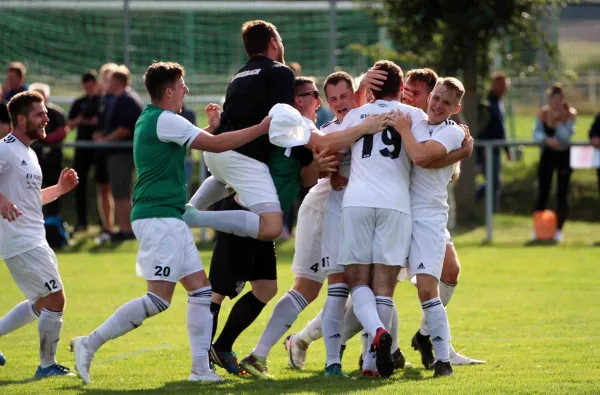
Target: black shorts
(236,259)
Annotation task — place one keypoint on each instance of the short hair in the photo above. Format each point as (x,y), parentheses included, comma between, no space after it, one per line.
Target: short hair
(18,68)
(161,75)
(42,88)
(90,75)
(256,36)
(336,78)
(301,81)
(454,85)
(391,86)
(426,75)
(122,74)
(556,89)
(21,104)
(296,68)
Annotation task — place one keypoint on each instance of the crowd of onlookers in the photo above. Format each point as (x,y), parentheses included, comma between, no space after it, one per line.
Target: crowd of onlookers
(108,110)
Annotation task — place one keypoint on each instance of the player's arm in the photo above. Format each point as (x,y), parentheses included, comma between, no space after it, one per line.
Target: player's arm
(344,138)
(67,181)
(372,80)
(420,154)
(230,140)
(321,165)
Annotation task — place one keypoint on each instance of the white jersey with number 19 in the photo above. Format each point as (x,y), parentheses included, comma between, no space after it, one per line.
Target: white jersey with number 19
(380,168)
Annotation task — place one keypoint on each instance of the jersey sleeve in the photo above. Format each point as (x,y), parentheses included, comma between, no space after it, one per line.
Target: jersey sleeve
(3,158)
(450,137)
(172,128)
(281,86)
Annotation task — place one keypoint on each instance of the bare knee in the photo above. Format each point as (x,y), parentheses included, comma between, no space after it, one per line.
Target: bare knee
(427,287)
(55,301)
(264,290)
(271,226)
(308,288)
(451,268)
(357,275)
(384,280)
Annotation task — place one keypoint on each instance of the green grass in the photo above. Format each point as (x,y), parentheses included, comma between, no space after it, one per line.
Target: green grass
(531,312)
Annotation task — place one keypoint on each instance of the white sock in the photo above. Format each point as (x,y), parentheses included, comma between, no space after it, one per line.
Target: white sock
(437,321)
(333,315)
(365,308)
(424,330)
(446,292)
(210,192)
(352,325)
(125,319)
(369,361)
(385,309)
(394,330)
(312,331)
(21,315)
(199,326)
(49,326)
(238,222)
(284,315)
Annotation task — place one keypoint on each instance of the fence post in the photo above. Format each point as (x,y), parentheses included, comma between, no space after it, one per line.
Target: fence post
(332,36)
(489,190)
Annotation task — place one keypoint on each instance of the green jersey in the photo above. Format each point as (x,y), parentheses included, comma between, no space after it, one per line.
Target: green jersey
(285,171)
(160,142)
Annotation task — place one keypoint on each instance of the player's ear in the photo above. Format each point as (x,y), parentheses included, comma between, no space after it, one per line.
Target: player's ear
(456,109)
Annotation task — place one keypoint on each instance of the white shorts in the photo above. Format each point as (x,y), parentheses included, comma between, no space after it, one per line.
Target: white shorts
(249,178)
(374,235)
(427,248)
(331,241)
(308,262)
(448,237)
(35,272)
(167,251)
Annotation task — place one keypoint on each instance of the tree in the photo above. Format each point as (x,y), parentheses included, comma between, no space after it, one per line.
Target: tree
(455,38)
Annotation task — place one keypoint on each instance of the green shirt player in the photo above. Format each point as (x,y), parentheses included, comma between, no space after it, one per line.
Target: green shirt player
(167,252)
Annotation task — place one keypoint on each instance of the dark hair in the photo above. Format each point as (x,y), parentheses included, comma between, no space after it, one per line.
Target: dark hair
(256,36)
(301,81)
(90,75)
(17,67)
(161,75)
(21,103)
(428,76)
(336,78)
(393,83)
(556,89)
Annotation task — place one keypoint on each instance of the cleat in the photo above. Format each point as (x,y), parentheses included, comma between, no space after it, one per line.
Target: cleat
(342,349)
(209,376)
(52,370)
(296,351)
(399,359)
(334,370)
(423,344)
(442,369)
(2,359)
(228,361)
(382,345)
(83,358)
(360,362)
(369,373)
(459,359)
(256,366)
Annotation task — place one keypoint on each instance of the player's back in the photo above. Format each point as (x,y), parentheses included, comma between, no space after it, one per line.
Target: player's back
(380,168)
(251,94)
(21,183)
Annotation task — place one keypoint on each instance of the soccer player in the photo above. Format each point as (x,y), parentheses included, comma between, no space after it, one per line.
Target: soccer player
(23,245)
(167,253)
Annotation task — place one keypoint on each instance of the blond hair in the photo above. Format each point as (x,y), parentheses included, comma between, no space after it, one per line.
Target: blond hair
(454,85)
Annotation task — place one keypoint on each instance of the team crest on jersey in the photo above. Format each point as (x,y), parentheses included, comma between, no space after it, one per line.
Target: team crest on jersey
(23,163)
(382,104)
(430,132)
(9,139)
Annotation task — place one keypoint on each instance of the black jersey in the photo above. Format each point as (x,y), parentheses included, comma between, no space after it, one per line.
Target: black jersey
(251,94)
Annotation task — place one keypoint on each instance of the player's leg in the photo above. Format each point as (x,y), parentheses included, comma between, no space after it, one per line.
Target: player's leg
(333,316)
(106,204)
(82,164)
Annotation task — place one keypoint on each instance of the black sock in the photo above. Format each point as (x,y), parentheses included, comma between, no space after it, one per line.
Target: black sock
(243,313)
(214,309)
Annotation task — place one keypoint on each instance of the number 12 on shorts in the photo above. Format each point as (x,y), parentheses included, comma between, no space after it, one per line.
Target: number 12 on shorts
(51,285)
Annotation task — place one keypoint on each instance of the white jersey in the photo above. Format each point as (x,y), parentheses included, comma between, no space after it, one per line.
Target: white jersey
(380,168)
(21,183)
(334,199)
(429,187)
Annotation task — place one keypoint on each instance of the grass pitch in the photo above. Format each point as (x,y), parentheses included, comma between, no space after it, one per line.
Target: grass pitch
(531,312)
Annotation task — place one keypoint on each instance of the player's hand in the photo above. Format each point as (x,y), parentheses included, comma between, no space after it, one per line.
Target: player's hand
(375,123)
(213,112)
(67,181)
(338,182)
(8,210)
(399,121)
(326,164)
(373,80)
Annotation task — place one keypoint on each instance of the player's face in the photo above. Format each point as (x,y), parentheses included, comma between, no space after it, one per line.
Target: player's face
(310,101)
(415,94)
(442,104)
(178,94)
(90,87)
(36,121)
(341,99)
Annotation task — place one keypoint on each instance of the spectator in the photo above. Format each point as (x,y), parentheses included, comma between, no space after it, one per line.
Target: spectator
(15,80)
(554,127)
(50,156)
(83,116)
(595,140)
(119,125)
(4,117)
(493,129)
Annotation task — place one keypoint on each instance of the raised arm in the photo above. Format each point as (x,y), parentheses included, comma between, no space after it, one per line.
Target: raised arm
(230,140)
(342,139)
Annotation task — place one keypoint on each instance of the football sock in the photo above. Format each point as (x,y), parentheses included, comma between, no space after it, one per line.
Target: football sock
(446,292)
(238,222)
(199,326)
(125,319)
(215,308)
(243,313)
(333,315)
(365,308)
(284,315)
(351,325)
(394,329)
(49,326)
(311,332)
(210,192)
(21,315)
(437,322)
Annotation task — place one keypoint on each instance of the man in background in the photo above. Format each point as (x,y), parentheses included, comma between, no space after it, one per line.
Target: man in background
(15,80)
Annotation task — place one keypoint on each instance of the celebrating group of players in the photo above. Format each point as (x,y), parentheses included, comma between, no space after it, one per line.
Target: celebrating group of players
(380,172)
